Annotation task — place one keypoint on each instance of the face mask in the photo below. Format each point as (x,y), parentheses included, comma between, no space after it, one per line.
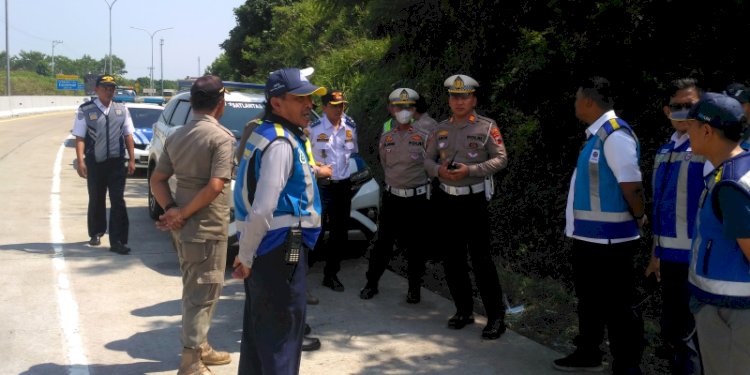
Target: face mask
(404,116)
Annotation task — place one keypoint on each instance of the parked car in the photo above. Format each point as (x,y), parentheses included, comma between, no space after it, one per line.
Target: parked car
(144,116)
(240,108)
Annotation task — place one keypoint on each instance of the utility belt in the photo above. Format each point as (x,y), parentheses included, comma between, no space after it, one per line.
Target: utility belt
(407,193)
(462,190)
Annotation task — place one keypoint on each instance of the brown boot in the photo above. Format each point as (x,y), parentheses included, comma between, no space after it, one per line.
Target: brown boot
(191,364)
(211,357)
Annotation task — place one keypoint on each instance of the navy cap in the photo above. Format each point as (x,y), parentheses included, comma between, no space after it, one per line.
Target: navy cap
(293,81)
(717,110)
(106,80)
(739,92)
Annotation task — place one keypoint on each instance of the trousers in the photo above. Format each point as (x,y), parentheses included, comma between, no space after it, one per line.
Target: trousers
(108,175)
(202,265)
(274,318)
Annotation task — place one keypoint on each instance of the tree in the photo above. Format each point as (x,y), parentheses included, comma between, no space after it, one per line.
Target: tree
(28,60)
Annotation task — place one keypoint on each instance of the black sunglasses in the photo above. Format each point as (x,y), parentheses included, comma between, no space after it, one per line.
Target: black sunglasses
(680,106)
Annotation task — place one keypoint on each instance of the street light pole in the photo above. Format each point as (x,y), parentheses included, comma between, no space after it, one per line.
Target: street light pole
(7,52)
(54,43)
(151,35)
(110,36)
(161,62)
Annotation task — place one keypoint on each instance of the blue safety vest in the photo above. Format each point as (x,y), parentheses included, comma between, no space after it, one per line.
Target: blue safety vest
(677,183)
(299,201)
(719,271)
(599,209)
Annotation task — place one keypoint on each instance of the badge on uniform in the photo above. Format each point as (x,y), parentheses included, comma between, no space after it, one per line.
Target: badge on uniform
(118,112)
(92,116)
(688,156)
(473,154)
(302,158)
(348,135)
(594,156)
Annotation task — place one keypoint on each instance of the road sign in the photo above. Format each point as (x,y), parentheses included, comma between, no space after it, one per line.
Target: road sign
(67,84)
(66,76)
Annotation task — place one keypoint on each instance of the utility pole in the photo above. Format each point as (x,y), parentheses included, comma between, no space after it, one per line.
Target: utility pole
(7,52)
(151,35)
(110,36)
(54,43)
(199,66)
(161,62)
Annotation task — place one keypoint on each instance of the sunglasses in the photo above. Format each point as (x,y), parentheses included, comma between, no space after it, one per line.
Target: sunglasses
(680,106)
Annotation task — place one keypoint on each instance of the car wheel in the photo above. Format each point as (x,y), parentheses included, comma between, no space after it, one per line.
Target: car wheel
(154,210)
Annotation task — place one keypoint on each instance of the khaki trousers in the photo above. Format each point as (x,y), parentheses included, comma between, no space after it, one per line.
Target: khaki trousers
(202,265)
(724,336)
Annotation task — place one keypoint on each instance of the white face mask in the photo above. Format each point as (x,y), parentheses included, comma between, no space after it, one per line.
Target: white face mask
(404,116)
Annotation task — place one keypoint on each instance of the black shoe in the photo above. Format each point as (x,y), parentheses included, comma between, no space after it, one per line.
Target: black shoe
(310,343)
(413,296)
(494,329)
(368,291)
(460,321)
(579,362)
(308,329)
(119,248)
(95,240)
(333,283)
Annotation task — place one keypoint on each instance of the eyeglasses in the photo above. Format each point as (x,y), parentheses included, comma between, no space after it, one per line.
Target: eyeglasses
(680,106)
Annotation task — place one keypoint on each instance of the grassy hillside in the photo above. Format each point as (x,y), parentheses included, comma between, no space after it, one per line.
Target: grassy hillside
(30,83)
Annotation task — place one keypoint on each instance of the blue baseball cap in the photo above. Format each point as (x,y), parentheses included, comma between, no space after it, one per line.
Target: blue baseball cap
(717,110)
(292,81)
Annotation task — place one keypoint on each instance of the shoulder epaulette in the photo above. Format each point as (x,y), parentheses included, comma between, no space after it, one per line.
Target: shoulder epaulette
(350,121)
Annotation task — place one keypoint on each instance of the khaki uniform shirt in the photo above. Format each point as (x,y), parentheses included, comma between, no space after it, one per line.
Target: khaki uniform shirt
(402,157)
(195,153)
(476,142)
(425,123)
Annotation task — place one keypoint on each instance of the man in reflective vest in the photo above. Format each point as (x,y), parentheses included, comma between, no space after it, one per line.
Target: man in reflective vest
(677,184)
(277,206)
(720,263)
(604,213)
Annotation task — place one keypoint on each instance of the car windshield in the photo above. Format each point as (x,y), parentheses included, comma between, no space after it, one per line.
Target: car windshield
(237,114)
(144,117)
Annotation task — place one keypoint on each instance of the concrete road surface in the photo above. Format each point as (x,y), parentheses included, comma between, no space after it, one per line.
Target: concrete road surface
(68,308)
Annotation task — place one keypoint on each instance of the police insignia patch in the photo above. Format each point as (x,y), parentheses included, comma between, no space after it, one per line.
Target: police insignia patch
(348,134)
(92,116)
(118,112)
(416,138)
(495,133)
(322,137)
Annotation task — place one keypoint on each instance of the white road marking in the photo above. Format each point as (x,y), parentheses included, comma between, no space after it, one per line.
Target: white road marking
(65,299)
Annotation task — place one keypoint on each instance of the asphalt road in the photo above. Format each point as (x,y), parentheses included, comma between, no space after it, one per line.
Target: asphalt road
(68,308)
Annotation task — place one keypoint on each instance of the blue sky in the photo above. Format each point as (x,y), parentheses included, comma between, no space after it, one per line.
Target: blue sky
(199,26)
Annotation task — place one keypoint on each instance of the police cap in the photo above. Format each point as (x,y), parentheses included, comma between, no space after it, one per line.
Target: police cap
(461,84)
(403,95)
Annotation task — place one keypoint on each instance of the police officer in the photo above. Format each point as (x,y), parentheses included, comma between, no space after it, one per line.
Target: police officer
(404,199)
(103,129)
(200,156)
(334,141)
(720,264)
(465,152)
(278,212)
(604,213)
(422,120)
(677,185)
